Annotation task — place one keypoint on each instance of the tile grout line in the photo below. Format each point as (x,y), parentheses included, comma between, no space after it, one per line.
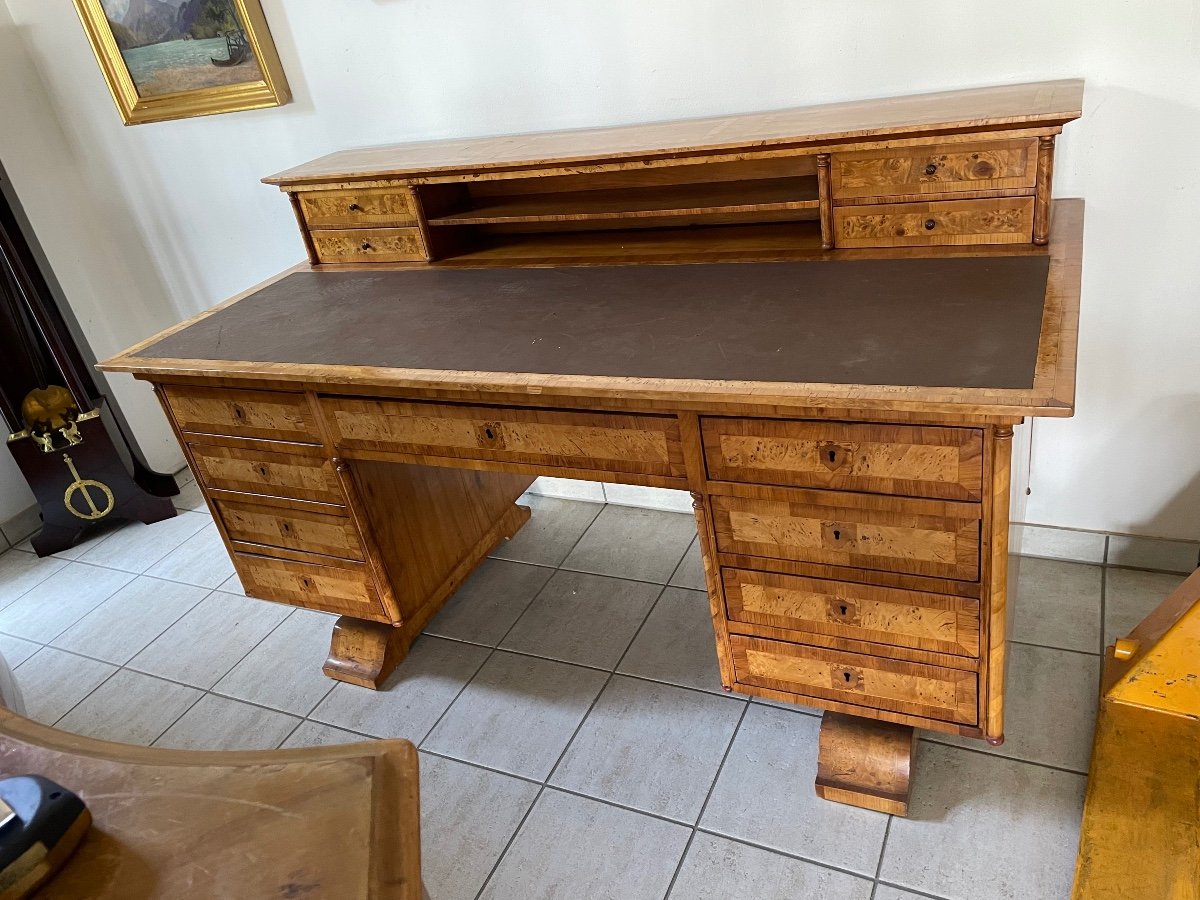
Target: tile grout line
(566,747)
(993,755)
(887,830)
(785,853)
(916,892)
(707,797)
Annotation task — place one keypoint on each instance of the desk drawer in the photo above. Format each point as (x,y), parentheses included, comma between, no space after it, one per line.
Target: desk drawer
(1005,220)
(364,208)
(946,463)
(345,589)
(933,622)
(369,245)
(272,415)
(932,692)
(996,165)
(258,472)
(291,529)
(647,445)
(921,537)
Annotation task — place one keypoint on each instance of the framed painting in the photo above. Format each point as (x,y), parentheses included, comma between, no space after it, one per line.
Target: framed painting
(170,59)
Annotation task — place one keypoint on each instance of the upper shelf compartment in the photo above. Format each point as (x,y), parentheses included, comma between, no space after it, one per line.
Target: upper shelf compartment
(760,200)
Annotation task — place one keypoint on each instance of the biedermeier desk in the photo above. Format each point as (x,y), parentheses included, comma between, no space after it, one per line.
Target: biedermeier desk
(823,323)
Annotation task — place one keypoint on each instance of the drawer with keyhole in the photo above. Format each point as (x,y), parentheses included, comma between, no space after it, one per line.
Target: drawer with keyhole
(255,471)
(906,460)
(291,529)
(915,689)
(345,588)
(898,618)
(270,415)
(921,537)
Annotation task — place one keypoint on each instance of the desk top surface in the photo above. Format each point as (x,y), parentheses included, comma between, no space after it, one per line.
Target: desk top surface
(976,330)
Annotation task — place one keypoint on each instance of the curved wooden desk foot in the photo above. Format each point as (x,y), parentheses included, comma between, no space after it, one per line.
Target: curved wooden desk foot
(862,762)
(365,653)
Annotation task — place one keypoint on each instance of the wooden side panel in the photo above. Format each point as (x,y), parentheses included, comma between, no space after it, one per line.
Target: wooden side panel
(994,165)
(854,611)
(895,535)
(913,688)
(607,441)
(946,463)
(254,471)
(272,415)
(345,588)
(427,520)
(303,530)
(988,221)
(362,208)
(378,245)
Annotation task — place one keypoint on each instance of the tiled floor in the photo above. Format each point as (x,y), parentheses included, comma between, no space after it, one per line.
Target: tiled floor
(575,739)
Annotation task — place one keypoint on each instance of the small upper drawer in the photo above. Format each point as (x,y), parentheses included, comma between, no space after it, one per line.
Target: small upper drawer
(254,471)
(345,589)
(997,165)
(272,415)
(916,689)
(291,529)
(358,208)
(642,444)
(920,537)
(933,622)
(369,245)
(999,220)
(918,461)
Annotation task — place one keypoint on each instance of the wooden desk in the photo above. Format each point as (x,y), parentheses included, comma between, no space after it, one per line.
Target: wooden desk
(327,823)
(843,418)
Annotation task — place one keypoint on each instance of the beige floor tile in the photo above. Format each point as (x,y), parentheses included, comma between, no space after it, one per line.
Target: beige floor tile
(643,544)
(21,572)
(137,547)
(131,708)
(517,714)
(467,817)
(1129,597)
(217,723)
(985,828)
(572,847)
(690,573)
(16,650)
(1058,605)
(59,602)
(210,640)
(52,682)
(120,627)
(549,535)
(676,645)
(284,670)
(200,560)
(314,734)
(492,599)
(719,869)
(1151,553)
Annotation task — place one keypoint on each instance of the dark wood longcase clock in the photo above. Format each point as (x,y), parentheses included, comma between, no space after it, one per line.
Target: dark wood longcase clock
(70,443)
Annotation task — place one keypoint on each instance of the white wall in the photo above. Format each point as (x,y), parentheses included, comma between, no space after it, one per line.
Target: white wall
(149,224)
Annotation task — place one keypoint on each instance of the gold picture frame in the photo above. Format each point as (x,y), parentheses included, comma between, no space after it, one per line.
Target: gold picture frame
(249,76)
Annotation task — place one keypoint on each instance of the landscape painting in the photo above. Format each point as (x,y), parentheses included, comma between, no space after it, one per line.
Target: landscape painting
(168,59)
(181,45)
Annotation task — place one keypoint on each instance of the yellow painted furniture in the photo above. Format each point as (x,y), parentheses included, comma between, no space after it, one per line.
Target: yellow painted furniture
(1141,823)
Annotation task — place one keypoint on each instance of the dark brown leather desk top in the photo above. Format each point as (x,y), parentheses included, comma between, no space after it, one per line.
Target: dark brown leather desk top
(969,322)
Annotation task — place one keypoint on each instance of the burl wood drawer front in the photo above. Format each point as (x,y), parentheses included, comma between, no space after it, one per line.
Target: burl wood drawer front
(647,445)
(358,209)
(273,415)
(343,589)
(369,245)
(1004,220)
(857,611)
(946,463)
(891,534)
(303,530)
(917,689)
(997,165)
(258,472)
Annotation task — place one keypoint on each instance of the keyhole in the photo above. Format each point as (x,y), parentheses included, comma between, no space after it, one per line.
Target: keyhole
(843,609)
(846,675)
(832,455)
(837,535)
(307,583)
(239,413)
(262,471)
(488,432)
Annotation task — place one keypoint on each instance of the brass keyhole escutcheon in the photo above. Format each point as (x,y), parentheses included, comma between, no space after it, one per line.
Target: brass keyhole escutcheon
(834,456)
